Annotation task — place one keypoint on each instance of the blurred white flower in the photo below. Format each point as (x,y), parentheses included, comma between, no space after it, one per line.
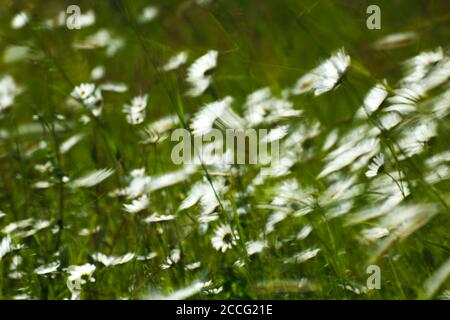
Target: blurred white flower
(136,111)
(47,268)
(148,14)
(262,107)
(6,246)
(19,20)
(78,276)
(395,40)
(176,61)
(101,39)
(8,92)
(217,113)
(97,73)
(197,74)
(326,76)
(372,101)
(304,232)
(90,96)
(137,205)
(113,87)
(415,139)
(83,91)
(419,66)
(303,256)
(256,246)
(172,259)
(375,166)
(108,261)
(374,234)
(155,217)
(92,179)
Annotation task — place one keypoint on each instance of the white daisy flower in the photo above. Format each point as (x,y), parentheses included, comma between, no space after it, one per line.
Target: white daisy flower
(158,131)
(193,265)
(176,61)
(304,232)
(90,96)
(179,294)
(95,103)
(155,217)
(395,40)
(374,234)
(419,66)
(169,179)
(224,238)
(326,76)
(414,140)
(25,228)
(47,268)
(44,168)
(256,246)
(376,166)
(8,92)
(101,39)
(405,99)
(373,100)
(83,272)
(66,145)
(136,111)
(217,113)
(137,205)
(79,275)
(92,179)
(138,181)
(6,246)
(351,152)
(197,74)
(97,73)
(108,261)
(19,20)
(390,120)
(330,140)
(16,261)
(147,257)
(148,14)
(204,193)
(262,107)
(172,259)
(114,87)
(303,256)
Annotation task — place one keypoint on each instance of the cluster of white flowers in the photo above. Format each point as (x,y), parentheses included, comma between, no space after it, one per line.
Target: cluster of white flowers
(8,92)
(78,276)
(136,111)
(90,96)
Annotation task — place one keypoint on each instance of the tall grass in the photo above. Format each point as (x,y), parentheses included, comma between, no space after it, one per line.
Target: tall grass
(87,195)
